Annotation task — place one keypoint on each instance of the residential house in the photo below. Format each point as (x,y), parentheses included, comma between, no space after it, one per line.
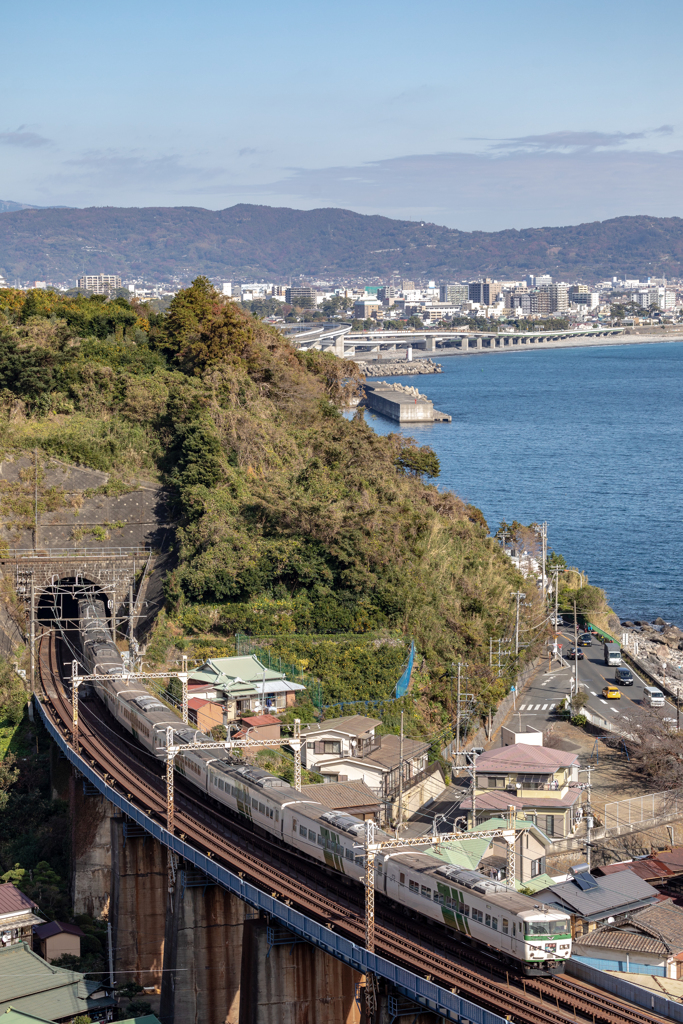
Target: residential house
(351,797)
(489,856)
(258,727)
(539,782)
(592,901)
(649,941)
(663,869)
(17,916)
(349,749)
(30,985)
(205,713)
(242,684)
(58,938)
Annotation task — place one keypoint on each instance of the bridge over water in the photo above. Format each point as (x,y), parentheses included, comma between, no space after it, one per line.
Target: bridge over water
(340,339)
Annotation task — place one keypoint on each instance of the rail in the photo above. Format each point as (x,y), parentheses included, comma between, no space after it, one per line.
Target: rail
(426,993)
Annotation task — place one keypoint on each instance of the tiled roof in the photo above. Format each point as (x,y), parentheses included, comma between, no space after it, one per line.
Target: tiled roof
(656,929)
(195,703)
(523,758)
(355,725)
(389,752)
(621,891)
(31,985)
(498,800)
(649,867)
(46,931)
(13,900)
(338,795)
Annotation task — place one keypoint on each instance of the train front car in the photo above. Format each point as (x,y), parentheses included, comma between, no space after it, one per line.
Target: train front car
(547,941)
(100,653)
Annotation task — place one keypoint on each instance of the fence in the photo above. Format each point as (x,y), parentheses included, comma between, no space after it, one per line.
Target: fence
(138,550)
(423,992)
(625,990)
(643,808)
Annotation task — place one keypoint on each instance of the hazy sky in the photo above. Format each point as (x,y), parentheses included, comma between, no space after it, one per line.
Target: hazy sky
(474,115)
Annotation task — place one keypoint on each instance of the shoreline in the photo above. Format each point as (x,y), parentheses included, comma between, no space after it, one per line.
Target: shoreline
(439,353)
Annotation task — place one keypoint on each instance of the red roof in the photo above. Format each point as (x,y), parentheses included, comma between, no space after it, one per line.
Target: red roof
(649,867)
(46,931)
(259,720)
(13,901)
(521,757)
(197,702)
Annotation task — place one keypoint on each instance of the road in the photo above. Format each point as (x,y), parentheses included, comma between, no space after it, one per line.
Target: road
(548,688)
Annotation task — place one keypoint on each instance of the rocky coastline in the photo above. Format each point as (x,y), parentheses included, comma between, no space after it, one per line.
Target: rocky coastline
(659,647)
(398,367)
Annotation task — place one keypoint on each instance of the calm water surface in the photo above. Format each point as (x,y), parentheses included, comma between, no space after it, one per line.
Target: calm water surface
(589,439)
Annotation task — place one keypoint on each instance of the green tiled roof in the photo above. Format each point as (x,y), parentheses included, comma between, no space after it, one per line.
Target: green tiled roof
(148,1019)
(33,987)
(462,854)
(224,670)
(12,1016)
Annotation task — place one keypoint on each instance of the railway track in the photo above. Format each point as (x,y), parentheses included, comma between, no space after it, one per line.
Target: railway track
(533,1000)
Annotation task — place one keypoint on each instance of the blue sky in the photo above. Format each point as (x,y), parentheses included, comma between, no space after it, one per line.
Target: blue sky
(478,116)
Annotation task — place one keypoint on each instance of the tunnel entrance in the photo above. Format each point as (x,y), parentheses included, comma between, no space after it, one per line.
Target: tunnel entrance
(58,609)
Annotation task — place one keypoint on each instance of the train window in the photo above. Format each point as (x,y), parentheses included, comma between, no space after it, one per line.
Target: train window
(277,815)
(254,803)
(487,922)
(303,831)
(466,910)
(505,926)
(380,869)
(402,878)
(233,790)
(494,923)
(477,915)
(426,891)
(311,835)
(293,824)
(437,897)
(514,928)
(360,861)
(348,854)
(262,808)
(413,886)
(321,841)
(270,812)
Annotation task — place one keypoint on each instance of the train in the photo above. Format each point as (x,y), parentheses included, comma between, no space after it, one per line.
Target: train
(489,914)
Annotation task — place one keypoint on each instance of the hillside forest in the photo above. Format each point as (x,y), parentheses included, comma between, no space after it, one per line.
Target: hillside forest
(293,517)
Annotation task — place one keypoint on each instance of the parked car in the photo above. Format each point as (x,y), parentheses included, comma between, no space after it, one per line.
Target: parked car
(611,692)
(623,677)
(586,640)
(574,655)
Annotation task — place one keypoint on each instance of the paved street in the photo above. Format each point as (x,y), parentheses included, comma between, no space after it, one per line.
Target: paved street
(547,690)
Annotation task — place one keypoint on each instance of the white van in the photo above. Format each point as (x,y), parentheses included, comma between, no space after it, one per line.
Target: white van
(653,696)
(612,654)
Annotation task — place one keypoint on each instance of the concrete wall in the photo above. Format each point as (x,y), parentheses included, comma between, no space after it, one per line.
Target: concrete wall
(399,407)
(91,834)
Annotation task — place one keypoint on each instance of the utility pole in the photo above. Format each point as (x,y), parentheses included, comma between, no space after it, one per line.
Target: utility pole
(518,595)
(32,636)
(400,780)
(131,617)
(457,723)
(575,688)
(35,528)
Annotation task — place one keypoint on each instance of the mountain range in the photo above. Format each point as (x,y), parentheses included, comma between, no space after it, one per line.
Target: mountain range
(247,242)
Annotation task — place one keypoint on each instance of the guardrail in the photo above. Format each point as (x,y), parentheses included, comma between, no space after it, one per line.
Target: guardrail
(625,990)
(425,993)
(15,553)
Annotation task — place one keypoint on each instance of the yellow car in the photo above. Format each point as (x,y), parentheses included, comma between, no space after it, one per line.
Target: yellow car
(611,692)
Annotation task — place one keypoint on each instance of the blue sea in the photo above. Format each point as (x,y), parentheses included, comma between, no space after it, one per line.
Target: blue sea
(589,439)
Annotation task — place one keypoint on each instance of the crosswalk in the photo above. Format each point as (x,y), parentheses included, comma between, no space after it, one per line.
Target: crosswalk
(537,707)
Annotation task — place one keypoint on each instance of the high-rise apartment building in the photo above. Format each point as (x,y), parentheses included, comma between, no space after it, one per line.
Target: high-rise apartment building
(484,292)
(455,293)
(559,298)
(299,295)
(536,280)
(99,284)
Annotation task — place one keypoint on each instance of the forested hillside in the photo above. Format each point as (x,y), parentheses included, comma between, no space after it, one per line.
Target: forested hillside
(293,519)
(247,242)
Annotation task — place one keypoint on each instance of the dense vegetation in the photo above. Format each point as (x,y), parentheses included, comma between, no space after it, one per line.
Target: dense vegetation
(293,519)
(259,241)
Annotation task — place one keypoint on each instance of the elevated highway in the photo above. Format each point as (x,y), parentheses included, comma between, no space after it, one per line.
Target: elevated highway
(340,339)
(430,968)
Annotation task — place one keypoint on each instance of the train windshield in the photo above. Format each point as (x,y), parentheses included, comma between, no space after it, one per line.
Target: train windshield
(547,929)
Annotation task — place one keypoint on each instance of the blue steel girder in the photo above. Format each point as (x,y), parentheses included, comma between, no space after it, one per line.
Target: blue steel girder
(425,993)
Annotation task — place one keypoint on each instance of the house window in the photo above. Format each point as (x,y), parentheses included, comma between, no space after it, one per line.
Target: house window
(537,867)
(332,747)
(550,824)
(330,778)
(493,782)
(310,746)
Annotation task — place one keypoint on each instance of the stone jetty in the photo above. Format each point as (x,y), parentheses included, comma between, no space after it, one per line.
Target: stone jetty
(398,367)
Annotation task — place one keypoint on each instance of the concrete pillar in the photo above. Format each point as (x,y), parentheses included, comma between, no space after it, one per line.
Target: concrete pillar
(339,346)
(294,985)
(203,958)
(479,343)
(430,344)
(91,833)
(138,905)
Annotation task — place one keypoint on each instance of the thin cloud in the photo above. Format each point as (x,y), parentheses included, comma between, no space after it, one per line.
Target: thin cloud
(27,140)
(567,141)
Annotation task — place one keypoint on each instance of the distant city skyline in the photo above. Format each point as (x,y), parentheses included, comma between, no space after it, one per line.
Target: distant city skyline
(480,118)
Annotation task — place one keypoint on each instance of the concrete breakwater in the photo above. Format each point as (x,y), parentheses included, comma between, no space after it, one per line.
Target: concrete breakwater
(398,367)
(402,403)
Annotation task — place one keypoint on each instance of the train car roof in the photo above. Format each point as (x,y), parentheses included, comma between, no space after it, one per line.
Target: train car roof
(503,896)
